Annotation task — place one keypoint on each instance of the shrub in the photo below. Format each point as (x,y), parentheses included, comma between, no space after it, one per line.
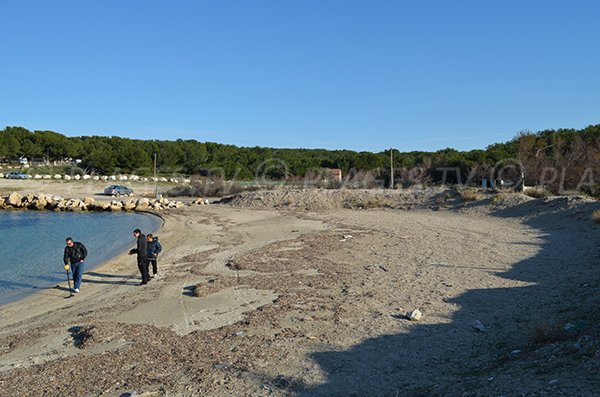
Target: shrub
(593,191)
(537,192)
(545,334)
(469,194)
(215,187)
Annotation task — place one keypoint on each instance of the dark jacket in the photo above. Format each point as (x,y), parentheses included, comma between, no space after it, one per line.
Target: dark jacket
(75,254)
(142,247)
(154,248)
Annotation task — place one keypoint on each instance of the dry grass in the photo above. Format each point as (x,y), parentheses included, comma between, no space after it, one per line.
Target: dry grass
(470,194)
(537,192)
(545,334)
(596,216)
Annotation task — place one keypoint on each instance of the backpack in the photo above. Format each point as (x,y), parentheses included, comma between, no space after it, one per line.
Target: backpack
(158,246)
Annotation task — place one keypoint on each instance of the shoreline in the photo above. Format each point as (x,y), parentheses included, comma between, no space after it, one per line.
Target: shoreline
(19,296)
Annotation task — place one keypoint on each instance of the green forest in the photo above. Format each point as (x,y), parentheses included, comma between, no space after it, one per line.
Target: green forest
(570,151)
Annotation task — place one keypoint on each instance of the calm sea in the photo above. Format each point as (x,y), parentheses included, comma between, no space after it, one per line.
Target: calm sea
(32,244)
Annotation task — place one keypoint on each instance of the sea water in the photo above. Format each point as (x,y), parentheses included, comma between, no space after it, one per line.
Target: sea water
(32,245)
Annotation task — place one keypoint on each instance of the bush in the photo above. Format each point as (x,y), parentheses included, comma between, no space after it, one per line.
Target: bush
(215,187)
(537,192)
(596,216)
(469,194)
(593,191)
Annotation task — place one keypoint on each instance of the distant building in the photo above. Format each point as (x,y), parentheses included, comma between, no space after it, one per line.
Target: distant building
(336,174)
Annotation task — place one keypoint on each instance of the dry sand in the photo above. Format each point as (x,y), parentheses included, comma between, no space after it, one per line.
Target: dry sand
(316,306)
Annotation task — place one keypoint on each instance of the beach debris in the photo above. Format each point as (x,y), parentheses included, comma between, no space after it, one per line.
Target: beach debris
(515,352)
(346,237)
(232,265)
(414,315)
(553,382)
(383,268)
(479,326)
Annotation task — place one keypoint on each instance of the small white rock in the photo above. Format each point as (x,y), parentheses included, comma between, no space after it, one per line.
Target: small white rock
(415,315)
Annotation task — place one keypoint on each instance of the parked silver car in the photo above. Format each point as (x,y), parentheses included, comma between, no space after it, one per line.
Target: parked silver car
(118,190)
(16,175)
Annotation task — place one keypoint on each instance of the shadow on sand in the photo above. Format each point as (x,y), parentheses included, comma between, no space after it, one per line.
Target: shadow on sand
(407,365)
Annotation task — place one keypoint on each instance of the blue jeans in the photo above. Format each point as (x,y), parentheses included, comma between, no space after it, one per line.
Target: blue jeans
(77,271)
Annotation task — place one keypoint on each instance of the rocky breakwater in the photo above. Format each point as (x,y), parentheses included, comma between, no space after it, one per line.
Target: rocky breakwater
(50,202)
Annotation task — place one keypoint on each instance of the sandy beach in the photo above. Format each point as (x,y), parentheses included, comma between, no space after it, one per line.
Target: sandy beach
(274,299)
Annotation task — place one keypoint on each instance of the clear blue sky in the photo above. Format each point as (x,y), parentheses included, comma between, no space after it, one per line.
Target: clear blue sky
(361,75)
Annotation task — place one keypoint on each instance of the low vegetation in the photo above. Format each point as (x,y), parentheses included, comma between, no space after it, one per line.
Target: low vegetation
(558,159)
(537,192)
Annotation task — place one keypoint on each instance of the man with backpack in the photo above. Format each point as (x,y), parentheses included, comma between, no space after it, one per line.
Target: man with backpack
(154,249)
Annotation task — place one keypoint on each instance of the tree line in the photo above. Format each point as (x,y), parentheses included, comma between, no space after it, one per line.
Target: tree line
(570,151)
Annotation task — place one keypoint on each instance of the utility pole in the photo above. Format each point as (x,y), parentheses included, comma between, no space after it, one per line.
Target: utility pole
(155,178)
(391,168)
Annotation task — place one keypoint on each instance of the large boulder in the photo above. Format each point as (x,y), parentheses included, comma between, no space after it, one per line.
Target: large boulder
(103,205)
(58,176)
(142,207)
(38,203)
(116,206)
(89,201)
(129,205)
(14,199)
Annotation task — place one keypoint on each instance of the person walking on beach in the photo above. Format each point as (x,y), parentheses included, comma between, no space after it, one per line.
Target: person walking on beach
(75,253)
(154,249)
(142,255)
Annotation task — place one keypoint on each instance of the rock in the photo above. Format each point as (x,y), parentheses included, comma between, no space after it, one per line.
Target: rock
(77,177)
(2,201)
(142,207)
(38,203)
(96,178)
(103,205)
(47,177)
(415,315)
(179,204)
(104,178)
(85,177)
(116,205)
(37,176)
(67,177)
(57,176)
(129,205)
(112,178)
(478,326)
(14,199)
(89,201)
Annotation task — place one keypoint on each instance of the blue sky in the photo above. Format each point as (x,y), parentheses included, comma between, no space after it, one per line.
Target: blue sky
(362,75)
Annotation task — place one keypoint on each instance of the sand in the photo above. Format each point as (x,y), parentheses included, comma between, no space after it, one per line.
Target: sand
(317,306)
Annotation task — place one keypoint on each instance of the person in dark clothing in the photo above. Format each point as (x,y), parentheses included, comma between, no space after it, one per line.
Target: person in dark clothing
(154,249)
(142,255)
(75,253)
